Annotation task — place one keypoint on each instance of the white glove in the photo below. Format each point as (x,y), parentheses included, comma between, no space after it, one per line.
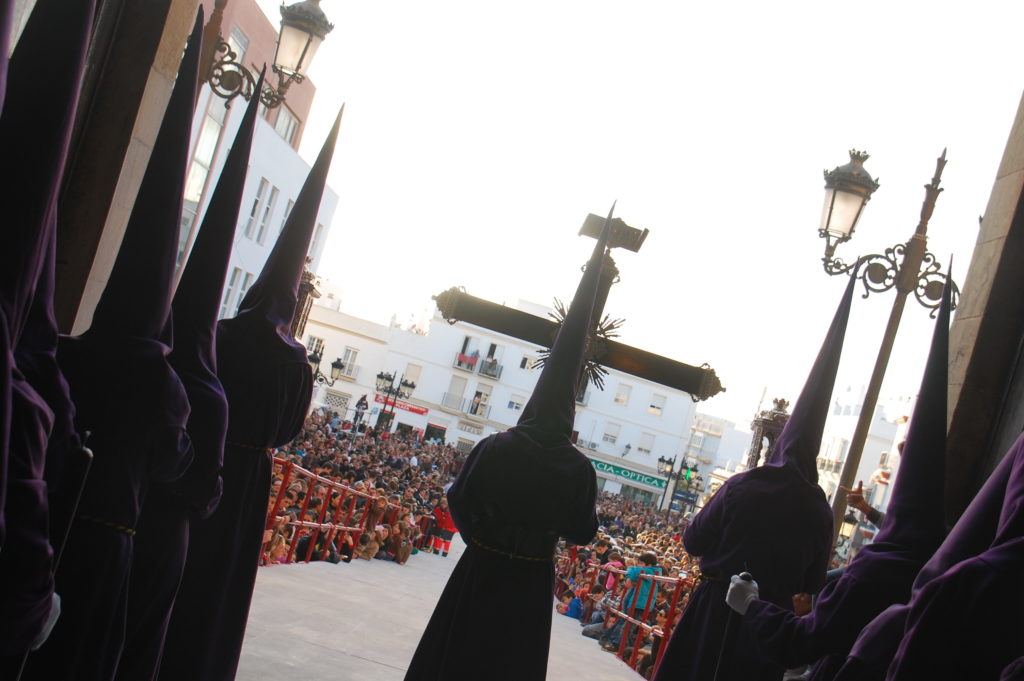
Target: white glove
(51,622)
(742,593)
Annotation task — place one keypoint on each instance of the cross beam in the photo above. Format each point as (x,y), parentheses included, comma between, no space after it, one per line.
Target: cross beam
(457,305)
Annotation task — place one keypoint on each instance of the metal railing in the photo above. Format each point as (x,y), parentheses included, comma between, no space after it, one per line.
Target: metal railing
(491,368)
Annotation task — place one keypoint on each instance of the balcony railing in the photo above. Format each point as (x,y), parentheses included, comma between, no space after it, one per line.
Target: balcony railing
(466,362)
(453,401)
(490,367)
(351,371)
(459,403)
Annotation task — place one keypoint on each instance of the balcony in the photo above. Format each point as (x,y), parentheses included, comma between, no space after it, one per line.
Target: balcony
(466,362)
(490,367)
(453,401)
(461,404)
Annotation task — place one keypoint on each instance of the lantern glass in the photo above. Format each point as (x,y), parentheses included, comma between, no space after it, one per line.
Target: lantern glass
(337,369)
(841,211)
(295,49)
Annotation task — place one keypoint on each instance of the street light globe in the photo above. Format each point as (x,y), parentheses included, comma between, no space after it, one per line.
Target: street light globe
(337,369)
(848,188)
(303,27)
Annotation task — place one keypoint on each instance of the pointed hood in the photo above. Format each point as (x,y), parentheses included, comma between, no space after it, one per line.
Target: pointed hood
(137,298)
(915,517)
(268,407)
(194,312)
(800,440)
(198,296)
(35,129)
(552,406)
(275,293)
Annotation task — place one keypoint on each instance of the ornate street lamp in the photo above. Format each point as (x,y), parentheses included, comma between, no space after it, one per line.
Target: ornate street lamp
(303,27)
(847,190)
(337,369)
(386,386)
(908,268)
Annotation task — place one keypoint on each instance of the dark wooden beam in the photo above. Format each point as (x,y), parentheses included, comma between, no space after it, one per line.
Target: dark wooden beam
(457,305)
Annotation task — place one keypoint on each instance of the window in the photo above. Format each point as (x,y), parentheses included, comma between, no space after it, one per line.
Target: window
(526,362)
(246,281)
(238,42)
(516,402)
(349,357)
(646,444)
(254,212)
(657,404)
(286,125)
(315,345)
(412,372)
(611,433)
(199,169)
(622,394)
(314,243)
(229,293)
(287,211)
(268,210)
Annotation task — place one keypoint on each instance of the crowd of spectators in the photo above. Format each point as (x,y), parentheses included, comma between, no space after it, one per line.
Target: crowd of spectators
(601,584)
(391,499)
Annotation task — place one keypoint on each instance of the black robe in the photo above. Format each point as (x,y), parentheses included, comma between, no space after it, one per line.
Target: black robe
(514,497)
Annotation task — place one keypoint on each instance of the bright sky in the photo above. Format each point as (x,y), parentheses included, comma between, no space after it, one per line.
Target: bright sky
(477,136)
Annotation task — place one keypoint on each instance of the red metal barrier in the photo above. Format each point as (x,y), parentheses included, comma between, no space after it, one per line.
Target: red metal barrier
(632,618)
(336,498)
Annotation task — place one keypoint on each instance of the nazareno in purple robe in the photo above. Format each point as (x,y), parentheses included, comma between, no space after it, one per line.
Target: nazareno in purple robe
(35,128)
(974,533)
(772,521)
(131,401)
(269,385)
(972,612)
(517,493)
(882,573)
(162,543)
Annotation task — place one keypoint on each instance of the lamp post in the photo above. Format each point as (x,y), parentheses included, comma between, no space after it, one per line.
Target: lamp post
(303,27)
(665,466)
(909,268)
(337,369)
(386,386)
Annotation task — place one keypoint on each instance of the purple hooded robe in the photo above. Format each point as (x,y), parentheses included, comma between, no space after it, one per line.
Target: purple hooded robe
(517,493)
(35,127)
(974,533)
(269,385)
(881,574)
(162,543)
(772,521)
(122,357)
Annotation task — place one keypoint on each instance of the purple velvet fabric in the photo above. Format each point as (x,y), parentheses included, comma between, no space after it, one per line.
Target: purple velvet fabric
(881,574)
(131,401)
(162,543)
(772,521)
(974,533)
(500,502)
(966,624)
(518,492)
(269,386)
(35,128)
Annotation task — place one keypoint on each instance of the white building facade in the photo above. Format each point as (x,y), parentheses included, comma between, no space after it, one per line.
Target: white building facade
(276,172)
(471,382)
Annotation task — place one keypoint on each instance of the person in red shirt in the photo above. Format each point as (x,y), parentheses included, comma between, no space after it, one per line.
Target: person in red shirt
(444,529)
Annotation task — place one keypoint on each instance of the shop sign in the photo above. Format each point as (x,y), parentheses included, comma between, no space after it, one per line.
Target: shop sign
(627,474)
(414,408)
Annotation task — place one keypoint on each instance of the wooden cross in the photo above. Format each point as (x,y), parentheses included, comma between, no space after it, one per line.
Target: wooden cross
(700,382)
